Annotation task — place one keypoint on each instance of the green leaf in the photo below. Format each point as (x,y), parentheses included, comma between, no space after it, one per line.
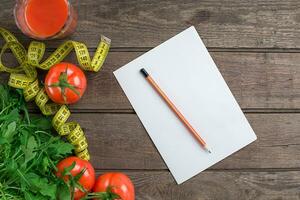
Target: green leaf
(64,148)
(3,140)
(59,149)
(49,191)
(29,150)
(11,165)
(63,191)
(12,116)
(40,185)
(10,131)
(10,169)
(41,123)
(31,144)
(28,196)
(24,135)
(45,164)
(11,128)
(35,181)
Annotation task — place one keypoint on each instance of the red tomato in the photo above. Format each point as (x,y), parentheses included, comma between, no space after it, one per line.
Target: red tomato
(119,183)
(65,83)
(87,180)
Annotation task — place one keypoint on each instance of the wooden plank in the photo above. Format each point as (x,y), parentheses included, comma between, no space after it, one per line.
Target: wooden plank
(230,23)
(119,141)
(257,80)
(217,185)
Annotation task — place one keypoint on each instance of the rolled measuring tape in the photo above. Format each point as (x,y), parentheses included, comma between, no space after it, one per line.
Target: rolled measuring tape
(25,77)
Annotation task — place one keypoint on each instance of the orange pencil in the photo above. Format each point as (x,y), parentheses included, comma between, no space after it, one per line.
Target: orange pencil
(176,111)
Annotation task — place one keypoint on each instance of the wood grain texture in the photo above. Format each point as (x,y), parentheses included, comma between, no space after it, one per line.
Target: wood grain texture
(218,185)
(267,169)
(119,141)
(257,80)
(136,23)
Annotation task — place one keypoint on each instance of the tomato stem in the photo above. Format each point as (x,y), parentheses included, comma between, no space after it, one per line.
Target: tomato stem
(63,84)
(73,181)
(108,195)
(102,196)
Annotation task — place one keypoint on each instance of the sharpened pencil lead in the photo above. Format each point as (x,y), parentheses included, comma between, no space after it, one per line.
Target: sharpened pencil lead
(207,149)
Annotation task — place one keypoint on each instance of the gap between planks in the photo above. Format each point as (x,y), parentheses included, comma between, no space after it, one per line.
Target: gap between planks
(210,49)
(130,111)
(213,49)
(209,170)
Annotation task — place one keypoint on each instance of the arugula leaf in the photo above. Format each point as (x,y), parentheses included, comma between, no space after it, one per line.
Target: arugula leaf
(12,116)
(64,191)
(8,133)
(3,140)
(32,196)
(41,123)
(11,165)
(49,191)
(29,196)
(58,149)
(41,185)
(28,152)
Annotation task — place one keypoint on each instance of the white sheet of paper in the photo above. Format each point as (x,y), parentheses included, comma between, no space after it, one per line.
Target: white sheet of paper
(185,71)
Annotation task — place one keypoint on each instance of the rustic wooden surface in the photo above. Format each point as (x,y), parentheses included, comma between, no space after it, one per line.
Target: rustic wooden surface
(256,45)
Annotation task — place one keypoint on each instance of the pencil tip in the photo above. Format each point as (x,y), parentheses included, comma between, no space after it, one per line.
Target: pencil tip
(144,72)
(207,149)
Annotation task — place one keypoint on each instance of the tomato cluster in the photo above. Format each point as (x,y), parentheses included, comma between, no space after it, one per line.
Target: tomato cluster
(110,186)
(65,83)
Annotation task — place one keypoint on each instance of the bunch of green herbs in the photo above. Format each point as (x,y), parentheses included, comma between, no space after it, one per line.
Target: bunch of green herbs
(28,152)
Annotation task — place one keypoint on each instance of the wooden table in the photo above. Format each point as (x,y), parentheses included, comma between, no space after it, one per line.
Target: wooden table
(256,45)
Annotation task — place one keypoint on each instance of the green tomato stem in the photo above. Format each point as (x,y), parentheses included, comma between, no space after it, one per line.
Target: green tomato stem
(63,84)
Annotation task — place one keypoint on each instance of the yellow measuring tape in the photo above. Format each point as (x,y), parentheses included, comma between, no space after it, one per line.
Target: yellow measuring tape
(25,77)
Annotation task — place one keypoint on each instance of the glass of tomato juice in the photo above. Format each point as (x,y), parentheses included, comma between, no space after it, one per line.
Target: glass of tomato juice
(46,19)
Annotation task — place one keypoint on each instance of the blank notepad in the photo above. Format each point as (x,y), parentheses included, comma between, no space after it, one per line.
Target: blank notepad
(185,71)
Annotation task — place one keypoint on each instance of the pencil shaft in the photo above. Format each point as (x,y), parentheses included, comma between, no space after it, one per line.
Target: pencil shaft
(176,111)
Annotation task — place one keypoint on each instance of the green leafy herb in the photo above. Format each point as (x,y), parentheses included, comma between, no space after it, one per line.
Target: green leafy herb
(28,152)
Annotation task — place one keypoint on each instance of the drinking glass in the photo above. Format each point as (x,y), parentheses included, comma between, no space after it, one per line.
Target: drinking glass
(46,19)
